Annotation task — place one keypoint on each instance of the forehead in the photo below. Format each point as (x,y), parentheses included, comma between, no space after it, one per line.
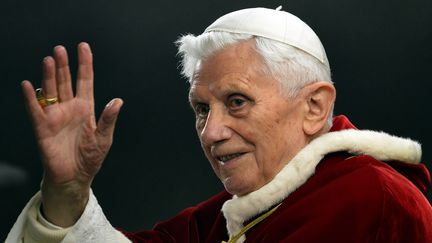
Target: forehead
(233,67)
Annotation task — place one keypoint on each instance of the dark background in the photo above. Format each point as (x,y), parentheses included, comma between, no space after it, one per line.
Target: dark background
(380,53)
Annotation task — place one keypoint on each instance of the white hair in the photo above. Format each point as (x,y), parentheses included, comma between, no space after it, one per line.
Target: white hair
(292,67)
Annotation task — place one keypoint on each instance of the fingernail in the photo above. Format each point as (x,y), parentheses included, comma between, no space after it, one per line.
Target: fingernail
(110,104)
(85,45)
(58,47)
(47,59)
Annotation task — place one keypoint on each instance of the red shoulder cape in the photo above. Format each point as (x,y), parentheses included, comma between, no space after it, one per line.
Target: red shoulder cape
(348,199)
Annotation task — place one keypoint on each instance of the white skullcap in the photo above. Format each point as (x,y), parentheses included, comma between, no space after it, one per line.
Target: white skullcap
(272,24)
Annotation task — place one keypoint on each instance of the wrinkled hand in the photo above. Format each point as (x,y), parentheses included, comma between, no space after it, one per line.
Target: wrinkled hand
(71,144)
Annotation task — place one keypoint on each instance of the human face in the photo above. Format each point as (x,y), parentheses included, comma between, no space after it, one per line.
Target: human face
(247,128)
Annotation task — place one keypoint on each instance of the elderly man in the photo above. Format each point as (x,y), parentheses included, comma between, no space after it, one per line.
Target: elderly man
(263,99)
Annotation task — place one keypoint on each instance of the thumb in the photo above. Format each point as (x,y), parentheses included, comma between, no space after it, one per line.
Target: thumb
(107,121)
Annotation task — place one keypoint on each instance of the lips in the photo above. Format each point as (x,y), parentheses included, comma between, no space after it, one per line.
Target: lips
(225,158)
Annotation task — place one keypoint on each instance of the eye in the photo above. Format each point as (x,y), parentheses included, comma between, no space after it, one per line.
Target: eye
(236,102)
(202,110)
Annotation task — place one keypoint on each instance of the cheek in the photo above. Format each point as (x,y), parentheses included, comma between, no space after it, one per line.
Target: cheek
(213,163)
(263,125)
(199,125)
(273,135)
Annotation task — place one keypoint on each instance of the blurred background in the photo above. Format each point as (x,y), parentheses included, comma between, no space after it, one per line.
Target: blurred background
(380,53)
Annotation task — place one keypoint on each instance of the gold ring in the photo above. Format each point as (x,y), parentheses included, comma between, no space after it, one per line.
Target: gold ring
(42,100)
(50,101)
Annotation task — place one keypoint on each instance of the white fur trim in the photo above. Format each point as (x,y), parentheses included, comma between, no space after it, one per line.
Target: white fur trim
(379,145)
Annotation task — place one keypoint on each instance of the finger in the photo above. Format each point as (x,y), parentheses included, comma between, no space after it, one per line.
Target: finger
(34,109)
(49,78)
(64,85)
(85,72)
(107,121)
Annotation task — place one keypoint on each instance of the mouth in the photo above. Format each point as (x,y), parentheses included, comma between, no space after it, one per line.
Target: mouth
(226,158)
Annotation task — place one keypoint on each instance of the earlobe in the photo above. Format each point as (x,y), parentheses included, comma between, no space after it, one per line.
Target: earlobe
(319,98)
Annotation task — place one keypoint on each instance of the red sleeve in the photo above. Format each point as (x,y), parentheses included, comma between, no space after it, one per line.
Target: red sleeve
(202,223)
(181,228)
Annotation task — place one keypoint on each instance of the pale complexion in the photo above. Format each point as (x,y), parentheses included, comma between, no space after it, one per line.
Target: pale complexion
(248,129)
(239,111)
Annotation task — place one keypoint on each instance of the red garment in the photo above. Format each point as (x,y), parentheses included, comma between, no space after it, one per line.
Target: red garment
(348,199)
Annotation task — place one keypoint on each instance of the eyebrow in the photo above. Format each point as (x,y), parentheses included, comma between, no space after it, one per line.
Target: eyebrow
(195,76)
(239,86)
(192,97)
(233,87)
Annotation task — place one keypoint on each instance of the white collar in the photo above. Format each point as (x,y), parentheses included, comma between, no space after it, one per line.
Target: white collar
(379,145)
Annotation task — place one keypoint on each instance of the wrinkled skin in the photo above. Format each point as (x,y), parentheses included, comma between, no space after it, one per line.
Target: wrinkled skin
(72,145)
(242,112)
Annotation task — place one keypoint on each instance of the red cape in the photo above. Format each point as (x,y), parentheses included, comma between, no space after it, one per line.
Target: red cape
(350,198)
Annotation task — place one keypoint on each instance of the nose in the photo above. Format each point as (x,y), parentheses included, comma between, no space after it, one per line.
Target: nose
(216,127)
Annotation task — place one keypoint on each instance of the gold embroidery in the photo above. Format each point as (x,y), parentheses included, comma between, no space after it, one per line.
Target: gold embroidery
(251,224)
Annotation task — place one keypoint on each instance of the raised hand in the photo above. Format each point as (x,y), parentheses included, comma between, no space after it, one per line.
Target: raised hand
(72,145)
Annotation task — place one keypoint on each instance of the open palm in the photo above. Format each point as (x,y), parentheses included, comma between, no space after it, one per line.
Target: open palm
(71,143)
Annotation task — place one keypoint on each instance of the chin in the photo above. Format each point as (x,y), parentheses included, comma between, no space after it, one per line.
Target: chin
(238,188)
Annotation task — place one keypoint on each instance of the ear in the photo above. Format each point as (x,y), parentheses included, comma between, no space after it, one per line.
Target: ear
(319,98)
